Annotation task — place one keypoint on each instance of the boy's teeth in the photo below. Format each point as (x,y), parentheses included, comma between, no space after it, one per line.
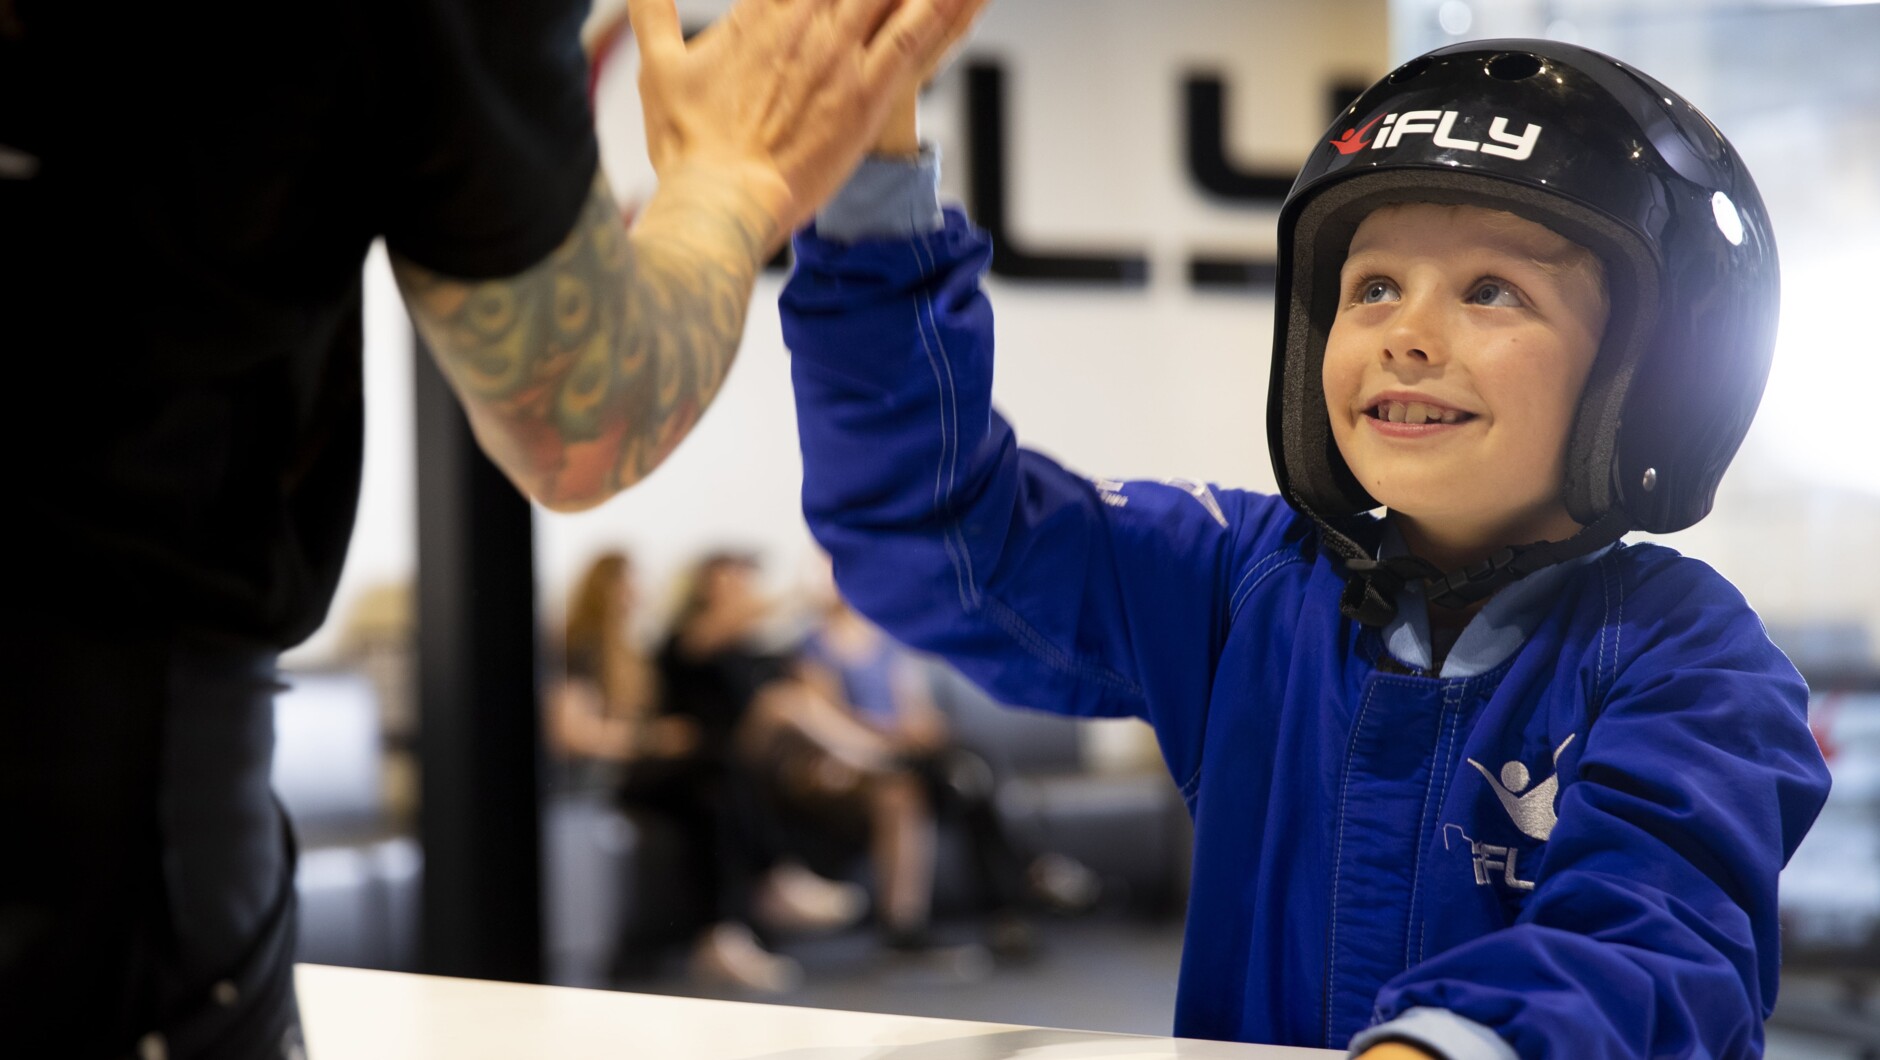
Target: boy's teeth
(1416,413)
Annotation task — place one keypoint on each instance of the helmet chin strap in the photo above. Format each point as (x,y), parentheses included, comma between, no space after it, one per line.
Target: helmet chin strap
(1372,585)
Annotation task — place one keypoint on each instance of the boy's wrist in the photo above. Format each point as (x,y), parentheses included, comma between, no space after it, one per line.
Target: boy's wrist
(900,137)
(886,198)
(1435,1032)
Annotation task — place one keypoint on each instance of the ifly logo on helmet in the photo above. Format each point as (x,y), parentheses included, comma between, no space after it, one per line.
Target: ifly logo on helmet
(1440,125)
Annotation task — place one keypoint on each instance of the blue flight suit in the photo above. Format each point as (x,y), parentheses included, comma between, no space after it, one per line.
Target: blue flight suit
(1562,842)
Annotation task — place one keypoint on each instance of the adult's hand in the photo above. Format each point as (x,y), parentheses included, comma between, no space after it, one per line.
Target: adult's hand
(781,97)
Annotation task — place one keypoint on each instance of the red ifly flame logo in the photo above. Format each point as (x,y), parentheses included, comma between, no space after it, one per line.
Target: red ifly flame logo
(1353,140)
(1444,127)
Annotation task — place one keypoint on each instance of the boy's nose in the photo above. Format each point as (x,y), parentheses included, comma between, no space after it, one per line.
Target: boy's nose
(1414,333)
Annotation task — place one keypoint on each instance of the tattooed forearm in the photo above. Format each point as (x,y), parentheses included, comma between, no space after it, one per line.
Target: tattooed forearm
(582,374)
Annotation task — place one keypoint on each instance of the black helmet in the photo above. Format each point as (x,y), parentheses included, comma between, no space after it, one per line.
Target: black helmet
(1610,159)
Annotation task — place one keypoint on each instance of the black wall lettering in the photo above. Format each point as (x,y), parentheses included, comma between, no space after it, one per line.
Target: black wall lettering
(1240,274)
(987,191)
(1205,100)
(1205,118)
(1205,96)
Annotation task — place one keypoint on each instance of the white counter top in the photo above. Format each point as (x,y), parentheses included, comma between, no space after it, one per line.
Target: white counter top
(351,1014)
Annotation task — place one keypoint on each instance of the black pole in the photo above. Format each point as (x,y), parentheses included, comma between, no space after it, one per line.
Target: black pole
(478,744)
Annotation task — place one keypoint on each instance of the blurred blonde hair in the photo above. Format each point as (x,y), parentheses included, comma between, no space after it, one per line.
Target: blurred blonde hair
(597,631)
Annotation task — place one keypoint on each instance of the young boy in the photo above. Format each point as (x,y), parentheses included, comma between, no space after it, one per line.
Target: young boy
(1470,780)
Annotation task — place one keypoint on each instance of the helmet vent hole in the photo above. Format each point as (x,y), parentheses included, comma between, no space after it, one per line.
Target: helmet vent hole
(1513,66)
(1409,71)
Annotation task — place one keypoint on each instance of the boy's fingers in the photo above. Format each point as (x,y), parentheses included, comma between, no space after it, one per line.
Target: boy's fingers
(918,36)
(915,28)
(965,14)
(656,28)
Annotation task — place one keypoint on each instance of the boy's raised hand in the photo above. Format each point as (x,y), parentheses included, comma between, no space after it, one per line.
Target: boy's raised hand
(900,134)
(782,97)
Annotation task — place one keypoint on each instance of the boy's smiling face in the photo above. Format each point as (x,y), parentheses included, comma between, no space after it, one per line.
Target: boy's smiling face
(1453,370)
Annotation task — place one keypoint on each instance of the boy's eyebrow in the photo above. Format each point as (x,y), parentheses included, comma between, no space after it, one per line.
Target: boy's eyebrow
(1361,256)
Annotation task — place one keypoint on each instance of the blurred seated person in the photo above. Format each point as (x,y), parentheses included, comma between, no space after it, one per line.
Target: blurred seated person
(607,724)
(850,662)
(603,715)
(734,697)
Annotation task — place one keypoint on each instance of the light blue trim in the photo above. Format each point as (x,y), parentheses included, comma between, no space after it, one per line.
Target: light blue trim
(1495,633)
(1439,1031)
(886,198)
(1407,637)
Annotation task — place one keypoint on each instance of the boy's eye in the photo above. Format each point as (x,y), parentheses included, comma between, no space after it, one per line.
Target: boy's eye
(1494,293)
(1371,292)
